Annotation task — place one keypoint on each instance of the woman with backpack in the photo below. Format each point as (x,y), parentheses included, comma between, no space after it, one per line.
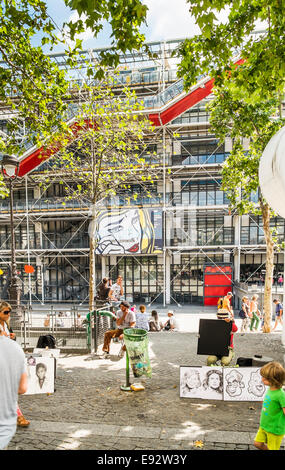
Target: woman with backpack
(243,314)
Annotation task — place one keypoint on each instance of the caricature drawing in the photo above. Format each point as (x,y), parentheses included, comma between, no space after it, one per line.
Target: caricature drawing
(255,384)
(234,383)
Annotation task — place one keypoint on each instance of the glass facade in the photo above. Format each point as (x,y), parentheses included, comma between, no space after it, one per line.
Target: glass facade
(142,277)
(187,277)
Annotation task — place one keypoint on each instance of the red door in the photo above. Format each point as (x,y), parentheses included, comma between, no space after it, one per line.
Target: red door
(217,282)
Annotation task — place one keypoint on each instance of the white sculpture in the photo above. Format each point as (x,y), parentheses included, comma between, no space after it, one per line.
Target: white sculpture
(272,179)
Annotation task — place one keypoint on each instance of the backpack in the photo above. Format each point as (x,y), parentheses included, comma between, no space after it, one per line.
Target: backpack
(46,341)
(242,314)
(244,361)
(220,302)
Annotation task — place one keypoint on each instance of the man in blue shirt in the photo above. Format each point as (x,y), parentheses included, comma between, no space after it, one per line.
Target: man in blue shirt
(278,313)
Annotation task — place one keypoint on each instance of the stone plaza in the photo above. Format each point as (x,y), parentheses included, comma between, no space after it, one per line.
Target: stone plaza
(89,411)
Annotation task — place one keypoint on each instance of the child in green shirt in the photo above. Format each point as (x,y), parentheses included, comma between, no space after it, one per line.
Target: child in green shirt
(272,419)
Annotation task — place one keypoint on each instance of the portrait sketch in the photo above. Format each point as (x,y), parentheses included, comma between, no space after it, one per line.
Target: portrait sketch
(201,382)
(213,383)
(40,375)
(190,382)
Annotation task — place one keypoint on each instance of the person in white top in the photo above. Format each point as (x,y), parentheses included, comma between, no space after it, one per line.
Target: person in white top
(172,323)
(5,330)
(13,381)
(117,290)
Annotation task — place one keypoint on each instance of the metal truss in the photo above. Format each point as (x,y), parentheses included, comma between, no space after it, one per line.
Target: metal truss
(166,135)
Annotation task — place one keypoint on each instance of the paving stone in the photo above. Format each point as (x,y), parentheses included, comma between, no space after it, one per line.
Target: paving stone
(89,410)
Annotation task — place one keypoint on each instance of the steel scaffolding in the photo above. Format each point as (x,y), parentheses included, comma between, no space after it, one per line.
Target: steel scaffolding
(154,81)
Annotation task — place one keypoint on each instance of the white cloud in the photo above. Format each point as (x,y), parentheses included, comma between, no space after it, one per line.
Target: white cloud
(169,19)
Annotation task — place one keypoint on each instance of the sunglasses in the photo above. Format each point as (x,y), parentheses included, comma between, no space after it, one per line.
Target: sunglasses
(6,312)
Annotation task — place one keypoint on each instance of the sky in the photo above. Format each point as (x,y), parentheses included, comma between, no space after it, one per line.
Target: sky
(166,19)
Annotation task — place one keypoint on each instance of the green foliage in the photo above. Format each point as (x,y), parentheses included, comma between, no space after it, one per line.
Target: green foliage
(214,50)
(32,86)
(125,18)
(107,154)
(247,97)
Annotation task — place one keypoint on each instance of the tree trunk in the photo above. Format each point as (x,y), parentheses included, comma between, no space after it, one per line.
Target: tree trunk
(92,274)
(269,267)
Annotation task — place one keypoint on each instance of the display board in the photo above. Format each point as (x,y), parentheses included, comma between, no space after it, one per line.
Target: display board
(222,383)
(201,382)
(40,371)
(214,337)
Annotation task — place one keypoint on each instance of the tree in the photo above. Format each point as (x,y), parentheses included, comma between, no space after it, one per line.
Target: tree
(34,89)
(237,119)
(247,97)
(125,19)
(107,156)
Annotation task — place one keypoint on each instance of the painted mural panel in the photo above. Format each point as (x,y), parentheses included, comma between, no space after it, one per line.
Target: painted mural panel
(128,231)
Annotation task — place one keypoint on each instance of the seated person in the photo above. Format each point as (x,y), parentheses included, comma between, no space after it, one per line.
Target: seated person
(141,318)
(172,323)
(125,319)
(103,292)
(154,323)
(117,290)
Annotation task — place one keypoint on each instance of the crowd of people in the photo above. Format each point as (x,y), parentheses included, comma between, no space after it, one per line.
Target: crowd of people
(128,316)
(252,318)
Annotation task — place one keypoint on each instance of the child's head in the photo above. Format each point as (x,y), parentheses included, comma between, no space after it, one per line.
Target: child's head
(274,373)
(142,308)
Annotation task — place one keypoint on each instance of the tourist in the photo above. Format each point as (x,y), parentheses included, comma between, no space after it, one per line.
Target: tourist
(254,313)
(278,313)
(224,307)
(103,292)
(117,290)
(172,323)
(13,381)
(154,323)
(125,319)
(244,314)
(141,318)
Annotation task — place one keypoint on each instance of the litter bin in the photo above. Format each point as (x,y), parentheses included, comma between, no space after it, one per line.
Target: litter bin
(136,341)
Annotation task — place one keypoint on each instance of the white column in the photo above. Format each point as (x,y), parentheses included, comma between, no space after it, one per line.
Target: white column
(103,266)
(167,277)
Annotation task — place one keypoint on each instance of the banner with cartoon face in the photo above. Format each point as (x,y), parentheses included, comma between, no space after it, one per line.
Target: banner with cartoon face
(127,231)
